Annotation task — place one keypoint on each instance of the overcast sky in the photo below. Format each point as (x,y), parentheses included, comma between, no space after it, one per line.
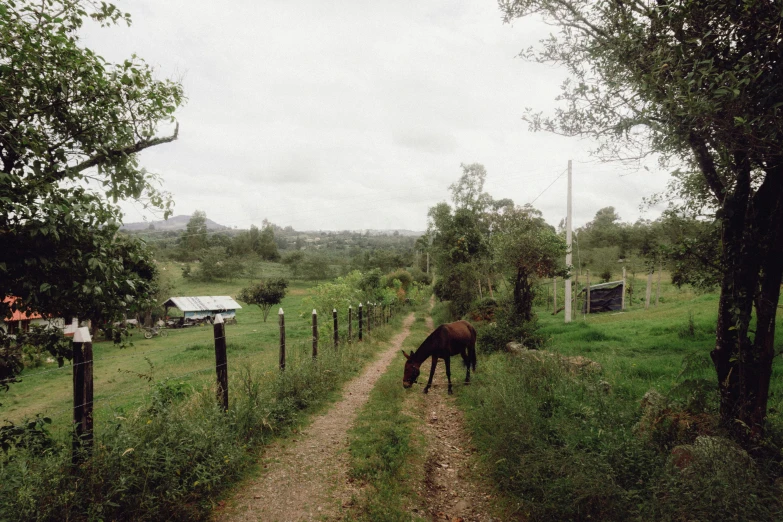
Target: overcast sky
(355,115)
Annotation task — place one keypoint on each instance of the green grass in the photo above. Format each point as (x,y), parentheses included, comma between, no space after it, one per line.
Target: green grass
(174,454)
(386,446)
(581,447)
(121,375)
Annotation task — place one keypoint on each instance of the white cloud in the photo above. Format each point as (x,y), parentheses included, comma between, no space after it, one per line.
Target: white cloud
(356,114)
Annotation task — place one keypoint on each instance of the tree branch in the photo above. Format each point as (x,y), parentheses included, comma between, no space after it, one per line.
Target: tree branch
(133,149)
(707,166)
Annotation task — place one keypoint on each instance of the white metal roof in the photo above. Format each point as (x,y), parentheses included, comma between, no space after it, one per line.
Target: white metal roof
(209,303)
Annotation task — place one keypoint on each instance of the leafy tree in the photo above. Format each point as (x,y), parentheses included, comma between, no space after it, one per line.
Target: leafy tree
(699,82)
(68,117)
(530,249)
(315,267)
(267,246)
(294,262)
(195,238)
(265,294)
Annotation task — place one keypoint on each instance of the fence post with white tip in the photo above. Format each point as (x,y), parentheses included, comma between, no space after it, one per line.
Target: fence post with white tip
(221,361)
(315,334)
(350,324)
(82,392)
(361,313)
(336,331)
(281,323)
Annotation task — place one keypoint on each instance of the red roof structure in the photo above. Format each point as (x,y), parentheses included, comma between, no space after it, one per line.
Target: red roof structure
(18,315)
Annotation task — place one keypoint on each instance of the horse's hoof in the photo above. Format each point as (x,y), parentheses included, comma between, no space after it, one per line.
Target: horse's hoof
(451,392)
(426,390)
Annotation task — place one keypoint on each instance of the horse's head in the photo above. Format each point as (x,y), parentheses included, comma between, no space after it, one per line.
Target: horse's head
(411,372)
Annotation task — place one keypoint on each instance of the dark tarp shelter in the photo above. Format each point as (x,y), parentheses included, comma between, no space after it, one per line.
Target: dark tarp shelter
(606,297)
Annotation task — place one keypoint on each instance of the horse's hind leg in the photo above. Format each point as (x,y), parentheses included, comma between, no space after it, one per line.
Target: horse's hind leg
(467,365)
(432,373)
(448,372)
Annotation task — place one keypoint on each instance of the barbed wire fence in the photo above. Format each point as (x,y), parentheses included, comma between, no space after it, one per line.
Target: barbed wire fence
(327,334)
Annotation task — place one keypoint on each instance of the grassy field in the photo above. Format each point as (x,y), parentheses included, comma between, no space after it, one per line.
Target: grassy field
(122,376)
(644,349)
(163,448)
(564,444)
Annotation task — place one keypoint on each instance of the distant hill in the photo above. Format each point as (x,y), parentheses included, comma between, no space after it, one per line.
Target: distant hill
(172,223)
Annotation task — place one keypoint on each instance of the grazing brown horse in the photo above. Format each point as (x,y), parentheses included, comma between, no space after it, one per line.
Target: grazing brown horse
(446,341)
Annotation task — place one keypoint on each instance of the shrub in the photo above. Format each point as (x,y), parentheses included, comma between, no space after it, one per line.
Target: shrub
(401,275)
(713,476)
(421,277)
(507,328)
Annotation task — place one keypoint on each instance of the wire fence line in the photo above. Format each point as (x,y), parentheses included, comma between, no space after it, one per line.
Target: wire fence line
(302,349)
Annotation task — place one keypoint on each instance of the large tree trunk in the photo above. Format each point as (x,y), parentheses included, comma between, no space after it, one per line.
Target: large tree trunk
(752,229)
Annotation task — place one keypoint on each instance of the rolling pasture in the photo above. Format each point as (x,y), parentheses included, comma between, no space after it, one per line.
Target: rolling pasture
(122,376)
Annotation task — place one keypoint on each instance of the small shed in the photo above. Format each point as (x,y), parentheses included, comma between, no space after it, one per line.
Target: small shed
(605,297)
(203,307)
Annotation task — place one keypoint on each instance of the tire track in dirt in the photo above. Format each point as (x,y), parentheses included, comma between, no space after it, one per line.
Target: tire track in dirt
(452,489)
(307,478)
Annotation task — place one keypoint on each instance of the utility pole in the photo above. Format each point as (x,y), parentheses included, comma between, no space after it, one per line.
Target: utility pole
(568,252)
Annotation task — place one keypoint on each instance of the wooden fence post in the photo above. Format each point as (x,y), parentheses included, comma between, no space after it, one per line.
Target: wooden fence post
(82,392)
(649,289)
(350,324)
(281,323)
(588,293)
(622,302)
(658,285)
(554,295)
(315,334)
(221,361)
(361,309)
(336,331)
(369,318)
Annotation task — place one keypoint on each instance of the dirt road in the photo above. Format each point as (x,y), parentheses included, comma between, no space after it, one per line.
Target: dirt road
(306,477)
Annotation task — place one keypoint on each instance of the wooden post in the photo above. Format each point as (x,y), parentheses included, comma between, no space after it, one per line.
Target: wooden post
(658,285)
(350,324)
(622,305)
(588,292)
(221,361)
(82,392)
(569,252)
(336,331)
(554,295)
(647,293)
(315,334)
(361,313)
(369,318)
(281,323)
(428,262)
(576,291)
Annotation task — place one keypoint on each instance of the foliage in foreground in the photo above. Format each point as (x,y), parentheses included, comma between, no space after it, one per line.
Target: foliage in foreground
(568,447)
(171,458)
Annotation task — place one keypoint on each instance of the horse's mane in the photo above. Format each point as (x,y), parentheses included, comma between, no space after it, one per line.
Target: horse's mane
(425,346)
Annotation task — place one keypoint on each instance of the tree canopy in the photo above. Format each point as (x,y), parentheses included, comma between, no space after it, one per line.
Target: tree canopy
(71,126)
(265,294)
(699,83)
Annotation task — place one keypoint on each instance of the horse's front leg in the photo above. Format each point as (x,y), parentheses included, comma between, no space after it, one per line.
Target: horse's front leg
(432,373)
(448,371)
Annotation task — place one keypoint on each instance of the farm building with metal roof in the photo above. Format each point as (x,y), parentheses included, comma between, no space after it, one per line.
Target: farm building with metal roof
(202,307)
